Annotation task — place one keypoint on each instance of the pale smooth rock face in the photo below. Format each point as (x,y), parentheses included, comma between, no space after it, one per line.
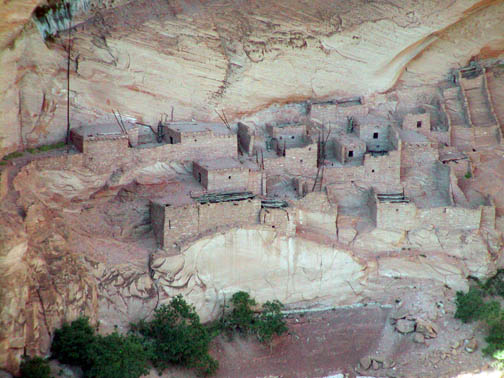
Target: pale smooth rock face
(146,58)
(263,263)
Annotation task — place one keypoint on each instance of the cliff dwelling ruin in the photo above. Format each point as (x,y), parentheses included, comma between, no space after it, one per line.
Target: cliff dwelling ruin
(344,158)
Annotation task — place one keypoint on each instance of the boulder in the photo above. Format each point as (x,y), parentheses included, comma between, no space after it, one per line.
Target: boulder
(405,326)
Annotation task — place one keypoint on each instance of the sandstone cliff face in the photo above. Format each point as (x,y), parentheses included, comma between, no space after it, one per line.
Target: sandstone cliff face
(145,57)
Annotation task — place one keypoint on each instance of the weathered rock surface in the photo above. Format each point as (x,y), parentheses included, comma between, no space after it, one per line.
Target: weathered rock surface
(145,57)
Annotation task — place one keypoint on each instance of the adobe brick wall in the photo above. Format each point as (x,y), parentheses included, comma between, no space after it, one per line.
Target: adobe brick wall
(256,182)
(396,216)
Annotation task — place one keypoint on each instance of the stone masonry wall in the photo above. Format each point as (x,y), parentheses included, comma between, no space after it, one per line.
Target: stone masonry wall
(297,161)
(182,223)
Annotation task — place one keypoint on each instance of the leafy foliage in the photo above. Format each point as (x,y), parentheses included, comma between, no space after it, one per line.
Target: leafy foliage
(12,155)
(242,318)
(178,337)
(270,322)
(71,343)
(474,305)
(46,147)
(35,367)
(469,305)
(117,356)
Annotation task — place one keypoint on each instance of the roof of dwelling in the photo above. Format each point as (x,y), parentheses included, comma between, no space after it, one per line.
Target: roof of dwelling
(175,200)
(226,163)
(349,139)
(109,129)
(373,120)
(198,127)
(451,154)
(410,136)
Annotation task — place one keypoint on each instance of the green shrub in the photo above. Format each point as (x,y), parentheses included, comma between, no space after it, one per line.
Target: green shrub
(241,318)
(469,305)
(495,284)
(12,155)
(46,147)
(270,321)
(71,342)
(178,337)
(35,367)
(468,175)
(3,162)
(117,356)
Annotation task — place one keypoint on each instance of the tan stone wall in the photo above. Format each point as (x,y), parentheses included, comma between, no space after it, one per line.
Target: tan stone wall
(418,154)
(342,148)
(396,216)
(407,217)
(297,161)
(383,171)
(316,212)
(214,215)
(228,179)
(420,123)
(367,133)
(113,147)
(256,182)
(336,115)
(182,223)
(200,174)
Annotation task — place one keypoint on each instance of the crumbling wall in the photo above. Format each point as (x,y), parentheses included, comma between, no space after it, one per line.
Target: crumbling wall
(281,220)
(418,154)
(336,116)
(200,174)
(316,212)
(396,216)
(217,147)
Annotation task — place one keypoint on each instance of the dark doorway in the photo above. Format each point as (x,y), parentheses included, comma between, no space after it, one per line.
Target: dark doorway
(419,124)
(375,135)
(350,153)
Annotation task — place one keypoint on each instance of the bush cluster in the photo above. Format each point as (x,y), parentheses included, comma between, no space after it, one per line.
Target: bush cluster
(178,337)
(479,304)
(99,356)
(242,319)
(36,367)
(174,336)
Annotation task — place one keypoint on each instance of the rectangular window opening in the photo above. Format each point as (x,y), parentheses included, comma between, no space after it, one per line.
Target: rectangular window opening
(375,135)
(350,153)
(419,124)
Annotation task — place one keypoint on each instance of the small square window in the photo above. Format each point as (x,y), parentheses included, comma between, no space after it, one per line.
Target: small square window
(293,137)
(350,153)
(419,124)
(375,135)
(229,177)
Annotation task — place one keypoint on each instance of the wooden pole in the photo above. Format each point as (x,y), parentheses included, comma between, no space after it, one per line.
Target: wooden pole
(69,47)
